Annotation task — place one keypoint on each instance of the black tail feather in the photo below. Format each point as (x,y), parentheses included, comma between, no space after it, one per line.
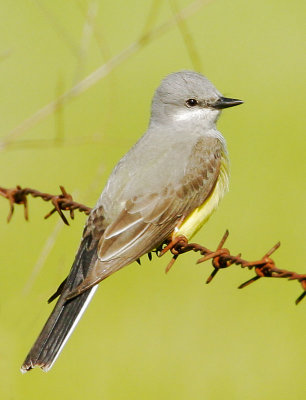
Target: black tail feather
(65,314)
(58,292)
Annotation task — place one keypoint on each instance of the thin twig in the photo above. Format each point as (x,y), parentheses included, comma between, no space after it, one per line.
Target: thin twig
(101,72)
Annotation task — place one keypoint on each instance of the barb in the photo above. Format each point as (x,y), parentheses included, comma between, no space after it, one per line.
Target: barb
(61,202)
(221,257)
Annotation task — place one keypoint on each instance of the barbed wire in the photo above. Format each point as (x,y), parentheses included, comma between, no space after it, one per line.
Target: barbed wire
(221,257)
(61,202)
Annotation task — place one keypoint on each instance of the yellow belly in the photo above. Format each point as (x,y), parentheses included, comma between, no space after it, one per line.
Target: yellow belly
(200,215)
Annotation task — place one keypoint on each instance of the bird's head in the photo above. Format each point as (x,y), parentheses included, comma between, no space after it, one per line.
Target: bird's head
(188,96)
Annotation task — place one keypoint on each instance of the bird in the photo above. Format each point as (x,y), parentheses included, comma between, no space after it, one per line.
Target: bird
(167,185)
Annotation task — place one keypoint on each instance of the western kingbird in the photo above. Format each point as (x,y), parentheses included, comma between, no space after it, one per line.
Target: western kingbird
(167,185)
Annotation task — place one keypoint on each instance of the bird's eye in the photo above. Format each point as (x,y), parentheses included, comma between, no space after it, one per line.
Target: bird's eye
(191,102)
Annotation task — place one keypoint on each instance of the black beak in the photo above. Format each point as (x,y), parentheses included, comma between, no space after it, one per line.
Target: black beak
(225,102)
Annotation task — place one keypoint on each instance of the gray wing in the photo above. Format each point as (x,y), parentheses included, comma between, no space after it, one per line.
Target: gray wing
(147,220)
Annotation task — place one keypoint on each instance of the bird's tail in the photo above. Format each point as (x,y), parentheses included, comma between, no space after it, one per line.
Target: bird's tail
(65,315)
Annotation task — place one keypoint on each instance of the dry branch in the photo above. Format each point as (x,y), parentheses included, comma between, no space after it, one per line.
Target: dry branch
(221,257)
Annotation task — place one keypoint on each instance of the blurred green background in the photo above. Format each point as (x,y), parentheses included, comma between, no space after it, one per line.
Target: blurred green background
(147,335)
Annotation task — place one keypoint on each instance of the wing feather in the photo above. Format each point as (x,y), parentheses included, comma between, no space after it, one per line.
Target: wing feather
(147,220)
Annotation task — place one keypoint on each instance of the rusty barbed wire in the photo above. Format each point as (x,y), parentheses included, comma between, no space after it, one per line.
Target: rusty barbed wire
(221,257)
(61,202)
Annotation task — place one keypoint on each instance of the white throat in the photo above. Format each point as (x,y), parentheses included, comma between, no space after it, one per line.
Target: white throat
(197,114)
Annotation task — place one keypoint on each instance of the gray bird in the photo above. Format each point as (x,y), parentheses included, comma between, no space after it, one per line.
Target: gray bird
(166,186)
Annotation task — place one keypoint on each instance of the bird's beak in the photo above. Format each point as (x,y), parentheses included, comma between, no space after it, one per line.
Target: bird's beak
(225,102)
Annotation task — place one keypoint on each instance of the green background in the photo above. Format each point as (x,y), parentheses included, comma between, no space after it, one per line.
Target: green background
(147,335)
